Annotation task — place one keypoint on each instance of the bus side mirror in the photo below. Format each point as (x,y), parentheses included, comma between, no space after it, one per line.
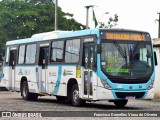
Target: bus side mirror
(155,59)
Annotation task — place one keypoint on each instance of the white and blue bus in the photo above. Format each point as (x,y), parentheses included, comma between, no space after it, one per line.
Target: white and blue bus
(87,65)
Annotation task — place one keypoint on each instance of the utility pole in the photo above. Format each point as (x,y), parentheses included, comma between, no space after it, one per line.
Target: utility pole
(158,25)
(56,16)
(87,15)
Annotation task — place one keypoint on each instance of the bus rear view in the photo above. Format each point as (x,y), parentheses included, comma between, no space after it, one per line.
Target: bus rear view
(126,67)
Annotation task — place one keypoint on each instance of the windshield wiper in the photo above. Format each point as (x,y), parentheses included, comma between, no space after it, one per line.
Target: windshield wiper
(136,50)
(119,48)
(121,51)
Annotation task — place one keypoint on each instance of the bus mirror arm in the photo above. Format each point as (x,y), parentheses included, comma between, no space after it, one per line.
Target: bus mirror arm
(155,58)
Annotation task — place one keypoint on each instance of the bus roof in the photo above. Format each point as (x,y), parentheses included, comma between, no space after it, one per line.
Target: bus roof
(50,35)
(61,34)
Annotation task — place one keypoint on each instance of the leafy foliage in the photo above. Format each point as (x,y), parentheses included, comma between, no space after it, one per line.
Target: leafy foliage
(23,18)
(111,22)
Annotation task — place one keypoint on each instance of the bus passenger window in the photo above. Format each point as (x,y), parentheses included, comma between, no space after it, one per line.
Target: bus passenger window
(72,51)
(7,55)
(57,51)
(30,54)
(21,54)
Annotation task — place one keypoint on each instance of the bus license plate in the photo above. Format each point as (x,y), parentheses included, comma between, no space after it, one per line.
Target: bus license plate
(130,98)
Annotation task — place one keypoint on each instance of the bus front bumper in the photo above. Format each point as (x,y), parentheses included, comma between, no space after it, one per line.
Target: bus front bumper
(120,94)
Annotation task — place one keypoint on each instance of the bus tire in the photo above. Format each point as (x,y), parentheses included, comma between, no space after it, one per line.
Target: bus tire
(120,103)
(76,101)
(26,95)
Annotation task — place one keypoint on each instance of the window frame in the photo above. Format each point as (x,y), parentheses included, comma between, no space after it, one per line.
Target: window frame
(19,54)
(35,53)
(73,39)
(7,55)
(51,53)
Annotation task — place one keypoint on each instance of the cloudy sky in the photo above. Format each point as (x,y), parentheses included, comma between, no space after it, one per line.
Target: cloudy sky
(133,14)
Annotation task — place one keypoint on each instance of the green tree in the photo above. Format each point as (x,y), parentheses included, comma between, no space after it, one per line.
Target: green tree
(23,18)
(110,23)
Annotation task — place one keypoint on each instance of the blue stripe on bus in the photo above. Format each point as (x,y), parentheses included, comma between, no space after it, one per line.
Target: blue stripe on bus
(58,80)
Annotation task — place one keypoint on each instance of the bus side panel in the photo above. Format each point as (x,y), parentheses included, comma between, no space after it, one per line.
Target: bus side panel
(150,94)
(94,88)
(18,76)
(81,92)
(52,79)
(58,77)
(17,85)
(39,78)
(30,74)
(62,91)
(51,87)
(67,73)
(6,82)
(103,94)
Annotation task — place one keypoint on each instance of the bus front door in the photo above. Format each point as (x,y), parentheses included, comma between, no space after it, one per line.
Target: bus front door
(12,64)
(43,63)
(88,60)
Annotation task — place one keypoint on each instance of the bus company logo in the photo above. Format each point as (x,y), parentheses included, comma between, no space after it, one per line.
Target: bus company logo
(64,73)
(140,86)
(67,72)
(27,72)
(130,87)
(119,86)
(20,72)
(52,74)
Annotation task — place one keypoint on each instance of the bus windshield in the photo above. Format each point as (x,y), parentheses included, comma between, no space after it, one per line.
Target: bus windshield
(126,59)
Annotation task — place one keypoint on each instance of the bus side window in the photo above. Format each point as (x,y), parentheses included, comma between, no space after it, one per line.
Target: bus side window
(21,54)
(43,57)
(72,51)
(30,54)
(57,51)
(11,59)
(7,55)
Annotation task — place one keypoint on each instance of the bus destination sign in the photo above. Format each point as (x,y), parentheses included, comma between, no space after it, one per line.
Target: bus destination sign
(124,36)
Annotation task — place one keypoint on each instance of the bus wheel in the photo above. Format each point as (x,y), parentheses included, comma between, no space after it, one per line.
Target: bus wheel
(120,103)
(26,95)
(76,101)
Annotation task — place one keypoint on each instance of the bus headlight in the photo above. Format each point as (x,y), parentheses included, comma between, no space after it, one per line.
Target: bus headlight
(105,84)
(151,85)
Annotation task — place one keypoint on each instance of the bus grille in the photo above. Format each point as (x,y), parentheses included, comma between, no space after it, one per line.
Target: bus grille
(127,94)
(128,81)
